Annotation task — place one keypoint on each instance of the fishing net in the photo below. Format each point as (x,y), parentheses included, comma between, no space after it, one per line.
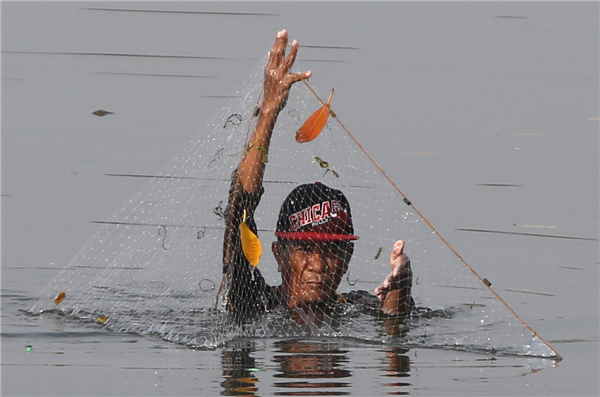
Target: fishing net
(156,266)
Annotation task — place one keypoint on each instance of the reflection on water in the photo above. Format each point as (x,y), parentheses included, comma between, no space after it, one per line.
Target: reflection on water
(317,361)
(238,366)
(309,367)
(396,364)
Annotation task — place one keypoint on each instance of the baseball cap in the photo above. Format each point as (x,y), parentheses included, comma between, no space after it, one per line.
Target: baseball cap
(317,212)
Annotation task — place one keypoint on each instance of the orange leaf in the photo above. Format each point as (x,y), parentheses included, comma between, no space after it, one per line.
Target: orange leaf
(313,126)
(59,298)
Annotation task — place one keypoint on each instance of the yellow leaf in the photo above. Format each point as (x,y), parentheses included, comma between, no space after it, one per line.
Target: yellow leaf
(250,243)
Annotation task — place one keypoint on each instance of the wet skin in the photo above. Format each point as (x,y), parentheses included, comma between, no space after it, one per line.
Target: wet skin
(311,270)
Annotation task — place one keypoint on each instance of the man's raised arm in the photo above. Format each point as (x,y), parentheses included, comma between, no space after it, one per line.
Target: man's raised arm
(277,84)
(246,285)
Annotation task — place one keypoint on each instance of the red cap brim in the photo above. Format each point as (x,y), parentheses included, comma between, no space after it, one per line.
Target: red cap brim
(316,236)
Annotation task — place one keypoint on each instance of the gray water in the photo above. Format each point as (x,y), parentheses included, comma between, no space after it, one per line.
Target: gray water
(484,114)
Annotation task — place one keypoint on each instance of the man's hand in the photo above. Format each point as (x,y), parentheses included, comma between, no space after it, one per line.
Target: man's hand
(277,84)
(278,78)
(395,289)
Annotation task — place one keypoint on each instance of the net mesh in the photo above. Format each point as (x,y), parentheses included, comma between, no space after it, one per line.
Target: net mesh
(156,266)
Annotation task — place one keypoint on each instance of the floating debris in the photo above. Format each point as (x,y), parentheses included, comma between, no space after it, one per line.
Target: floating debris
(59,298)
(102,112)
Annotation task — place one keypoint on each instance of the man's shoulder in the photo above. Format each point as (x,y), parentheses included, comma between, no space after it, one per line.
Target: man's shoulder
(362,297)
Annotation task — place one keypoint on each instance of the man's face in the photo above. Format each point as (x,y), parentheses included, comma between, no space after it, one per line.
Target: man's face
(312,270)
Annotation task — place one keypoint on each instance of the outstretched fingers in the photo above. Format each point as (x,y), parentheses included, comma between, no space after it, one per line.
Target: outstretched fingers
(276,54)
(291,57)
(296,77)
(278,78)
(278,49)
(289,62)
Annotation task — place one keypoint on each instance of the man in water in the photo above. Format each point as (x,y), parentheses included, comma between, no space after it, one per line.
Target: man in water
(314,232)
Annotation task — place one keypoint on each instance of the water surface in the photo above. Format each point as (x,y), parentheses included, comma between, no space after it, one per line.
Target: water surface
(486,115)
